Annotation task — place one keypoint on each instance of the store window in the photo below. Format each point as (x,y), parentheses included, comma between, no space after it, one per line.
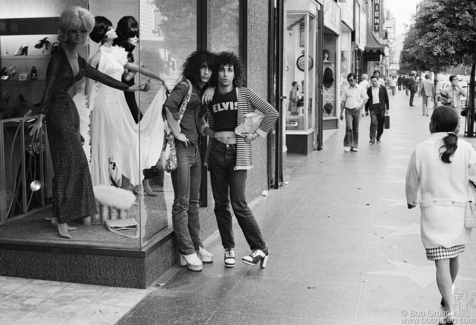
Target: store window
(167,34)
(300,65)
(223,25)
(329,77)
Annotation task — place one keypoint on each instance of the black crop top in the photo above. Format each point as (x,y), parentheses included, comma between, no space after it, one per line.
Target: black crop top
(224,108)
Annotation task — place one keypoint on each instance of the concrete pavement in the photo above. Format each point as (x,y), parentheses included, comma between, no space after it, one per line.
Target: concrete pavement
(344,249)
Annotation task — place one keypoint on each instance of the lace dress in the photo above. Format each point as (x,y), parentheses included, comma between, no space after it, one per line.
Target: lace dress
(73,195)
(115,135)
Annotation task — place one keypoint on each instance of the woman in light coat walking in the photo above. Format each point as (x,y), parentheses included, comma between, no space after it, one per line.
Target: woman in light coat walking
(441,168)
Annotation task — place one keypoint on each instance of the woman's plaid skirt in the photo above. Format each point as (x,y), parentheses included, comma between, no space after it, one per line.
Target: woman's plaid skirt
(441,253)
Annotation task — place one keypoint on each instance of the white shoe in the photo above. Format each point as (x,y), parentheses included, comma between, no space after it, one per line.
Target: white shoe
(229,257)
(204,255)
(354,149)
(191,261)
(347,149)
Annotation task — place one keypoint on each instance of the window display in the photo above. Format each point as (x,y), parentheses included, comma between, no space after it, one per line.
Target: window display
(300,72)
(131,131)
(328,77)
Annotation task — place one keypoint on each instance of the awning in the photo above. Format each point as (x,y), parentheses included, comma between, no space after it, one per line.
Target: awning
(373,44)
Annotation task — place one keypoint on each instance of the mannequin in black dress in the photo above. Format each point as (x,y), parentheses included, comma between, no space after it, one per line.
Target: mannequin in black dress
(73,195)
(127,37)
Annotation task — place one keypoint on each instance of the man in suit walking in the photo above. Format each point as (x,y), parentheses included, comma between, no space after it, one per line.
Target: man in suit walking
(427,92)
(378,105)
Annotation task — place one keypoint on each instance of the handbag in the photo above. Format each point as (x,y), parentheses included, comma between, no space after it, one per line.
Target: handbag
(387,121)
(170,153)
(123,227)
(470,210)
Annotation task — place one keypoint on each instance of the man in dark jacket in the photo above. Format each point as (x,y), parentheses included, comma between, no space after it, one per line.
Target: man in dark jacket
(378,106)
(412,86)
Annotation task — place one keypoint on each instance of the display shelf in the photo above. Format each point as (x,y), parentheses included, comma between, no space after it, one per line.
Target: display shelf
(22,81)
(24,57)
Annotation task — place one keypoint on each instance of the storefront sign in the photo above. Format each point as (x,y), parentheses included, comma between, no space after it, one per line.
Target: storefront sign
(332,16)
(377,16)
(302,34)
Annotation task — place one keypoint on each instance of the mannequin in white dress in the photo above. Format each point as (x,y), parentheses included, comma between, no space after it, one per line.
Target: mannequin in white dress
(115,136)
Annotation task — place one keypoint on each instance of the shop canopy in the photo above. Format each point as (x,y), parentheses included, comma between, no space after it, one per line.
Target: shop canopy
(374,46)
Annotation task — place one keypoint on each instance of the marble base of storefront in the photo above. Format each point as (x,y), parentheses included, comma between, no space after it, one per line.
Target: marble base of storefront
(107,267)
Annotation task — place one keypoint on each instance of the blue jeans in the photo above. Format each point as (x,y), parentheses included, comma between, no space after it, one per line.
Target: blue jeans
(186,183)
(228,185)
(377,117)
(352,118)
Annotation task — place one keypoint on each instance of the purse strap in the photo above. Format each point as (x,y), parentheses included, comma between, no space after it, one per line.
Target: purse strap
(185,101)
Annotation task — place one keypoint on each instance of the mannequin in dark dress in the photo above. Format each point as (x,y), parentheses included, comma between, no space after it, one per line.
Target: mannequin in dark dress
(127,37)
(73,195)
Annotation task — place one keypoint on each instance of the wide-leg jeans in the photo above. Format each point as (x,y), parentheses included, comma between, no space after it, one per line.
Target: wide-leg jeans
(352,118)
(186,183)
(228,185)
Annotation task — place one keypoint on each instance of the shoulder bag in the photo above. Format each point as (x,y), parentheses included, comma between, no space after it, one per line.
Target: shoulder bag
(170,153)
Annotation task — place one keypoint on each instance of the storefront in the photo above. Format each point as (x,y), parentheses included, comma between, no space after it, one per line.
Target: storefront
(169,31)
(347,59)
(331,65)
(300,64)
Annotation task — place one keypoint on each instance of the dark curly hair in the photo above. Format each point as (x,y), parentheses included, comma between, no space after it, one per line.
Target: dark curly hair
(126,27)
(230,58)
(101,27)
(194,62)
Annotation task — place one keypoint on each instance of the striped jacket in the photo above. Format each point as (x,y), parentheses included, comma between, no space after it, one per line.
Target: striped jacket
(248,101)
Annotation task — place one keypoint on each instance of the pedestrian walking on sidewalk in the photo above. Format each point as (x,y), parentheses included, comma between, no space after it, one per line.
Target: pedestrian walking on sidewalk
(441,168)
(378,105)
(365,84)
(393,84)
(186,178)
(230,156)
(412,87)
(354,98)
(427,92)
(400,82)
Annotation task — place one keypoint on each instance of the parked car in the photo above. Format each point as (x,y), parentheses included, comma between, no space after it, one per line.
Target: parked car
(445,85)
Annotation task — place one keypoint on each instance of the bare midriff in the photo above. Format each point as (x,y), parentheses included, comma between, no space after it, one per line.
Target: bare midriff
(228,137)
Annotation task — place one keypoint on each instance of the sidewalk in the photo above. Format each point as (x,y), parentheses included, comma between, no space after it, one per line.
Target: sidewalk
(344,249)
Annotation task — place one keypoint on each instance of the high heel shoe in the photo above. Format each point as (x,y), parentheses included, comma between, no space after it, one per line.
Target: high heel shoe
(21,100)
(42,42)
(24,50)
(204,255)
(4,73)
(257,256)
(192,262)
(33,73)
(54,222)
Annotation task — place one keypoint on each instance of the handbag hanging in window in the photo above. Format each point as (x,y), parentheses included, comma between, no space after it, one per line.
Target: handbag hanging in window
(470,211)
(170,154)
